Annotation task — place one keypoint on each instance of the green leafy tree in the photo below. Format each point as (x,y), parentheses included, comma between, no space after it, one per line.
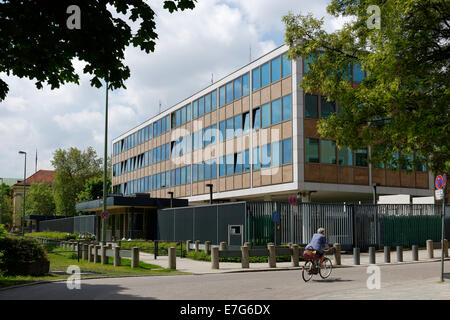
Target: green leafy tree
(6,205)
(93,189)
(40,200)
(402,103)
(73,168)
(36,42)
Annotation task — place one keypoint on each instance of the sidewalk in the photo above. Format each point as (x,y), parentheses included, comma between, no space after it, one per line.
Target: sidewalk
(204,267)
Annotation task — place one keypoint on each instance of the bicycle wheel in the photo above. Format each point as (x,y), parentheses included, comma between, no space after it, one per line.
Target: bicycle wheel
(327,266)
(306,274)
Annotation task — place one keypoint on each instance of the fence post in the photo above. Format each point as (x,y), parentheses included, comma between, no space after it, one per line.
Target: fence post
(245,257)
(105,259)
(337,254)
(445,248)
(188,242)
(387,254)
(84,253)
(356,252)
(172,258)
(372,257)
(430,249)
(415,252)
(90,255)
(294,256)
(155,249)
(96,249)
(223,246)
(399,254)
(215,258)
(197,244)
(117,256)
(135,257)
(272,256)
(207,247)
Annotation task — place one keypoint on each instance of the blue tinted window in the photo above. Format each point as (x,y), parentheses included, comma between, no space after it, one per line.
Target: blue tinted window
(307,62)
(246,122)
(230,164)
(286,65)
(188,174)
(265,156)
(222,166)
(265,74)
(255,79)
(201,171)
(256,119)
(237,88)
(222,96)
(150,131)
(188,112)
(246,167)
(207,170)
(178,176)
(311,106)
(312,150)
(256,159)
(214,100)
(167,151)
(358,73)
(201,107)
(345,157)
(361,158)
(229,92)
(276,111)
(239,159)
(183,115)
(238,125)
(265,115)
(207,103)
(222,131)
(327,107)
(245,84)
(213,169)
(172,177)
(195,109)
(230,131)
(276,153)
(287,151)
(194,173)
(178,118)
(287,107)
(275,66)
(183,175)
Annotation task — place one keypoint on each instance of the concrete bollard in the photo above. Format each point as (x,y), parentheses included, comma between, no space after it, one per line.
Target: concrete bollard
(207,247)
(84,252)
(74,246)
(430,249)
(134,257)
(445,248)
(295,255)
(290,245)
(356,253)
(188,243)
(97,257)
(248,244)
(372,257)
(223,246)
(245,260)
(387,254)
(272,257)
(399,254)
(90,253)
(116,256)
(337,254)
(105,259)
(197,245)
(172,258)
(415,252)
(215,258)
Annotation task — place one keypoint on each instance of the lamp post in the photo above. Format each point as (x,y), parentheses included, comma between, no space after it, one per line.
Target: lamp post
(105,168)
(24,183)
(171,198)
(374,186)
(210,192)
(1,201)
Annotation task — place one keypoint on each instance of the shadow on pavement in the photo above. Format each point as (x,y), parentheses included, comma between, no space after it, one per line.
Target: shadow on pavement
(446,275)
(332,280)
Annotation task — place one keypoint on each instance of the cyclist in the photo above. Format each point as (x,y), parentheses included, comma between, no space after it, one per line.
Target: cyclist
(318,243)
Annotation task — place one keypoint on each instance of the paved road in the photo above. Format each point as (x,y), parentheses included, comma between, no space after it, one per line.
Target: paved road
(408,281)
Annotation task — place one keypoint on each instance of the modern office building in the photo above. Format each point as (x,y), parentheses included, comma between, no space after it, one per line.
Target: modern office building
(252,135)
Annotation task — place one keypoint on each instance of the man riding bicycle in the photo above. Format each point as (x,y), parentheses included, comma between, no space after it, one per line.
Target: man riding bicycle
(318,243)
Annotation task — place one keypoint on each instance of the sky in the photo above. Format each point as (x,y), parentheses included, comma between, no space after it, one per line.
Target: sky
(193,46)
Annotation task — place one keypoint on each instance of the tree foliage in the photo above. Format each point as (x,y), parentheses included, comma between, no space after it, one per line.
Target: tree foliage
(93,189)
(36,43)
(402,104)
(40,200)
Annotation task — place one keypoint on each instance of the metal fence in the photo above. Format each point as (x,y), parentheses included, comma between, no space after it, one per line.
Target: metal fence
(79,224)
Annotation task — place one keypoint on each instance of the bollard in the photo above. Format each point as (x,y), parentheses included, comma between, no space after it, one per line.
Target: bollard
(188,243)
(84,253)
(248,244)
(197,244)
(290,245)
(356,253)
(215,258)
(96,254)
(372,257)
(415,252)
(135,257)
(172,258)
(430,249)
(245,257)
(399,254)
(90,255)
(74,246)
(223,246)
(387,254)
(445,248)
(337,254)
(295,255)
(207,247)
(272,257)
(116,256)
(105,259)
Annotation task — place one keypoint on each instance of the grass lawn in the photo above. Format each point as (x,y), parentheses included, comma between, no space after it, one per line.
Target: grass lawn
(59,262)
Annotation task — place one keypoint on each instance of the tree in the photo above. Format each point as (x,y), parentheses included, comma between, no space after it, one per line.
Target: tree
(402,103)
(40,38)
(93,189)
(6,204)
(72,169)
(40,200)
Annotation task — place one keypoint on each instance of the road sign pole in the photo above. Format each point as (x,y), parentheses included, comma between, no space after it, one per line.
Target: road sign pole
(443,236)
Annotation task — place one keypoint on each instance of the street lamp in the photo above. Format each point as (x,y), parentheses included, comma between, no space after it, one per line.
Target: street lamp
(171,198)
(105,166)
(210,192)
(24,182)
(374,186)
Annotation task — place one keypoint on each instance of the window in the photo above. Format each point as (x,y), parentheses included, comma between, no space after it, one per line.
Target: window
(222,166)
(172,177)
(230,132)
(246,122)
(213,168)
(229,97)
(237,88)
(287,107)
(345,156)
(188,174)
(188,112)
(195,109)
(238,125)
(265,74)
(265,156)
(238,159)
(178,176)
(361,157)
(256,119)
(201,171)
(214,100)
(222,131)
(265,115)
(287,151)
(407,161)
(358,73)
(222,96)
(275,66)
(276,153)
(194,173)
(207,170)
(276,111)
(201,106)
(286,63)
(183,115)
(230,164)
(255,79)
(245,84)
(312,150)
(328,152)
(311,109)
(183,175)
(327,107)
(208,103)
(246,167)
(307,62)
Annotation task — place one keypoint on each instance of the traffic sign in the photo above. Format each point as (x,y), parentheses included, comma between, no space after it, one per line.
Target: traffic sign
(105,215)
(293,200)
(439,194)
(440,183)
(276,217)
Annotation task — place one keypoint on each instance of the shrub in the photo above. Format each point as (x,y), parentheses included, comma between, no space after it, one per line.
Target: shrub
(198,255)
(2,231)
(23,256)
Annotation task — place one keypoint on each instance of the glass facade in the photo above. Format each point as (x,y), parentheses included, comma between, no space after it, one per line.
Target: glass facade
(328,152)
(312,150)
(311,106)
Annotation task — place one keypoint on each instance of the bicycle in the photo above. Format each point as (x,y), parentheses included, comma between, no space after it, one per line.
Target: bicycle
(312,267)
